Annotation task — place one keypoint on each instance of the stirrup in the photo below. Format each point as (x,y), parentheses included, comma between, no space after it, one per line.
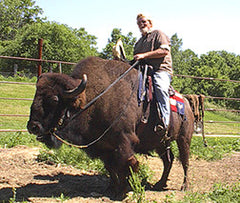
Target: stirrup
(166,137)
(158,128)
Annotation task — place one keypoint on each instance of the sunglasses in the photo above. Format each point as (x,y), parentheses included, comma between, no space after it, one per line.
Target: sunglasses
(141,21)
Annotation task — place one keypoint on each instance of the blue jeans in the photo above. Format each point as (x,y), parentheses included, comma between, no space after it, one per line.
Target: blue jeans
(161,83)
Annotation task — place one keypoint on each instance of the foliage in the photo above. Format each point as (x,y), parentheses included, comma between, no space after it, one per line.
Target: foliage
(215,64)
(221,65)
(138,190)
(21,27)
(60,43)
(20,77)
(128,43)
(14,14)
(62,198)
(71,156)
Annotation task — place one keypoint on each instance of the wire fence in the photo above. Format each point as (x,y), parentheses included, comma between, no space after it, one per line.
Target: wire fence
(70,63)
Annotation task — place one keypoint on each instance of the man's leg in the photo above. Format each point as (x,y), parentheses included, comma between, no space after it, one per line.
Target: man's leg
(161,81)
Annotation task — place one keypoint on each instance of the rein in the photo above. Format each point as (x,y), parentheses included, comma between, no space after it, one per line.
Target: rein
(91,103)
(101,94)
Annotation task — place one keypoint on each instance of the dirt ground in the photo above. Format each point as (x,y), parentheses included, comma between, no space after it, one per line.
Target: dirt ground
(41,182)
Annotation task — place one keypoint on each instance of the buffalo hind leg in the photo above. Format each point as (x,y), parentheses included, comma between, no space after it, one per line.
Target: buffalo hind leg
(184,150)
(167,159)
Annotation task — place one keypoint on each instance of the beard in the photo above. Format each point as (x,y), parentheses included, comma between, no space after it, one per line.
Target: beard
(144,30)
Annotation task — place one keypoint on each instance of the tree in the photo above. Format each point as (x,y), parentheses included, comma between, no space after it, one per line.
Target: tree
(184,63)
(59,43)
(14,14)
(221,65)
(176,45)
(128,43)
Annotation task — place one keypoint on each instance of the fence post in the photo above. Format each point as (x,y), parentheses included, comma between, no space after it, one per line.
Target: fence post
(40,46)
(60,67)
(50,69)
(15,68)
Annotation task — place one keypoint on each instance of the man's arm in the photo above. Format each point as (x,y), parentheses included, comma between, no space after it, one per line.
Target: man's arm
(158,53)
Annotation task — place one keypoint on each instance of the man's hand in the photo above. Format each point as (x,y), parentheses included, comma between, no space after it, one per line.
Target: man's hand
(138,57)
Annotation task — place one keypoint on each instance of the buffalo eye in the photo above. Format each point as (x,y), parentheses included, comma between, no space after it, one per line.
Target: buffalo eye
(49,104)
(51,101)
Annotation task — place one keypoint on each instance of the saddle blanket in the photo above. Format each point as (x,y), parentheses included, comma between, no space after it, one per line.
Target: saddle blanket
(177,103)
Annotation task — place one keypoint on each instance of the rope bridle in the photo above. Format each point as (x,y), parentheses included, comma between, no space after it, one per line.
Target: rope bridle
(90,104)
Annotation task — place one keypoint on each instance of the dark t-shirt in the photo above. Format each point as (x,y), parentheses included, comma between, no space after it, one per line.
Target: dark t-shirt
(154,40)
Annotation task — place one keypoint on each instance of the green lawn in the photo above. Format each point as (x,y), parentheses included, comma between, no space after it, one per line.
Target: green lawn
(27,91)
(15,107)
(222,128)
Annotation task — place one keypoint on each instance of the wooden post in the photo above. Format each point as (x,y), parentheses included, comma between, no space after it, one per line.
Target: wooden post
(60,67)
(15,69)
(40,46)
(50,69)
(201,98)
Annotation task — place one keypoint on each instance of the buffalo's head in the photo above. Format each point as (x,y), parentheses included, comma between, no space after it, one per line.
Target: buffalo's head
(55,94)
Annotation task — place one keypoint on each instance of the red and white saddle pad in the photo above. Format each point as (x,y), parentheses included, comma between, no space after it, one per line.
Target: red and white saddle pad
(177,103)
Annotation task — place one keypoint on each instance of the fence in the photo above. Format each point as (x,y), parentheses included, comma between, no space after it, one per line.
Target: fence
(40,61)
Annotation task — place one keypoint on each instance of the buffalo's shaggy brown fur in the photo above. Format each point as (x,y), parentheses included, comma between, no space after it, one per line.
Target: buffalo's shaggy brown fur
(117,147)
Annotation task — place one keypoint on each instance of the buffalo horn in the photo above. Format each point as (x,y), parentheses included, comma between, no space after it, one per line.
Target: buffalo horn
(77,90)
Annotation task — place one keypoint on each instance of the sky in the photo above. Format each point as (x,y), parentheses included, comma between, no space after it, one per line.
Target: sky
(203,25)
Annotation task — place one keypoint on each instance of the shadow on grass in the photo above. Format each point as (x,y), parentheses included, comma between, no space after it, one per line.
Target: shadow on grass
(68,185)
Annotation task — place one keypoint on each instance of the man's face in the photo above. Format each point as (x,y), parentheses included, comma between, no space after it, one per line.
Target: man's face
(144,25)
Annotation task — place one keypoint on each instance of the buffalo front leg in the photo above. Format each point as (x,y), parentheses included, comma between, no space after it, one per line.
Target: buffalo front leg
(124,172)
(114,181)
(118,177)
(167,158)
(118,166)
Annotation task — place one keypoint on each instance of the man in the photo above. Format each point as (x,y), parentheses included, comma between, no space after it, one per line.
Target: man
(154,48)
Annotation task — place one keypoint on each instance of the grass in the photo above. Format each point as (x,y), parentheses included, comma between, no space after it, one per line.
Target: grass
(217,148)
(14,107)
(28,91)
(220,128)
(138,193)
(9,139)
(220,193)
(71,156)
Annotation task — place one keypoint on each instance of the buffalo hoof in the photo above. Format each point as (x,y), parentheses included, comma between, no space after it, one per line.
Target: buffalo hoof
(184,187)
(115,193)
(160,186)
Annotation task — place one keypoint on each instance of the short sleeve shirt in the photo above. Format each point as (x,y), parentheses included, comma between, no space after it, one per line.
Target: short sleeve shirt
(154,40)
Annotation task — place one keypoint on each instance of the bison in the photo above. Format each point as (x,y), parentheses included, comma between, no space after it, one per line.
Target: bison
(58,108)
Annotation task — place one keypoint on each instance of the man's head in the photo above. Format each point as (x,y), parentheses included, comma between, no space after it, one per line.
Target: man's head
(144,23)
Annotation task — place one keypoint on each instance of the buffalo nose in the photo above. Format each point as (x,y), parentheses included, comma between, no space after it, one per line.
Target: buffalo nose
(34,127)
